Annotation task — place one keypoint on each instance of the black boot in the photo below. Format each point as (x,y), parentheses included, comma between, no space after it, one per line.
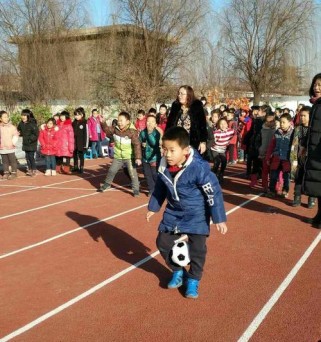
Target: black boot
(311,202)
(81,169)
(296,201)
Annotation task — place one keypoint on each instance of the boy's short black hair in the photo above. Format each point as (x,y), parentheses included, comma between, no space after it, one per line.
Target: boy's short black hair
(141,111)
(255,107)
(215,111)
(306,109)
(163,105)
(286,116)
(125,114)
(152,110)
(178,134)
(151,116)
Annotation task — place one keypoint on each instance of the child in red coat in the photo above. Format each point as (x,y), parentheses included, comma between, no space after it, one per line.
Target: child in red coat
(48,142)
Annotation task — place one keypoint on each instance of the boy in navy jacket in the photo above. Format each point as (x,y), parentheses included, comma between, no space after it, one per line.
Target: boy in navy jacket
(193,196)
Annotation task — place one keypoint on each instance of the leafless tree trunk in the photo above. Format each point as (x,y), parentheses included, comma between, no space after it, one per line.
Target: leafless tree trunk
(257,35)
(161,41)
(36,25)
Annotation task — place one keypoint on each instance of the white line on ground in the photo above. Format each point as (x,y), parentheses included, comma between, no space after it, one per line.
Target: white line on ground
(47,205)
(248,333)
(69,232)
(91,290)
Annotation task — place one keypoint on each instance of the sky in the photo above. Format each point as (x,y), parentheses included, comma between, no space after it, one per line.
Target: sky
(100,10)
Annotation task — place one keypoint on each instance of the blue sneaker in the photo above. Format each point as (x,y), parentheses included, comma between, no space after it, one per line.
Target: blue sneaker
(192,288)
(177,280)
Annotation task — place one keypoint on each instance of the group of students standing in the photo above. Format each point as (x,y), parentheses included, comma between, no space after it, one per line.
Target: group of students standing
(60,140)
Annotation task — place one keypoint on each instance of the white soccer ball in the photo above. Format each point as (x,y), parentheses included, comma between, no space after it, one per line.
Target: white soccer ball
(180,253)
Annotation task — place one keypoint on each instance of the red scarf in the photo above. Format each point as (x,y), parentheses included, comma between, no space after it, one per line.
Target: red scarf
(313,100)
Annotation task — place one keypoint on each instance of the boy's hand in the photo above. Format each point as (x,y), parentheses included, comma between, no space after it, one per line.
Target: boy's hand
(149,215)
(202,147)
(138,162)
(221,227)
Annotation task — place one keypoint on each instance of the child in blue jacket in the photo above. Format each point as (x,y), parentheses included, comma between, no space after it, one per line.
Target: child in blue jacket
(193,196)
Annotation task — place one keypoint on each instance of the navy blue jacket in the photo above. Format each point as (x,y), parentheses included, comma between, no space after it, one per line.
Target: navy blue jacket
(193,196)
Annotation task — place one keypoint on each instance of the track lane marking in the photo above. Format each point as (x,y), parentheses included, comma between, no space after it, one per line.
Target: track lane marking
(95,288)
(3,256)
(248,333)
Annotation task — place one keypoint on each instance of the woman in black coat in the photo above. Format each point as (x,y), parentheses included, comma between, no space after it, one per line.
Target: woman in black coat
(188,112)
(312,175)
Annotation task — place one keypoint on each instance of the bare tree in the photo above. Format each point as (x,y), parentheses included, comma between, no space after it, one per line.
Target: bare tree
(38,27)
(160,43)
(258,34)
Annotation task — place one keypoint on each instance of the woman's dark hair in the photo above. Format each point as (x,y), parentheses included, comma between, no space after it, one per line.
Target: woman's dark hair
(190,94)
(178,134)
(316,77)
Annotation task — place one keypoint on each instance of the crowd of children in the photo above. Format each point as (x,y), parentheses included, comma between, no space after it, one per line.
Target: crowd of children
(272,144)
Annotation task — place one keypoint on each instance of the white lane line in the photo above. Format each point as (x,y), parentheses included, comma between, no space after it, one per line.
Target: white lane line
(69,232)
(115,187)
(90,291)
(19,191)
(248,333)
(76,299)
(47,206)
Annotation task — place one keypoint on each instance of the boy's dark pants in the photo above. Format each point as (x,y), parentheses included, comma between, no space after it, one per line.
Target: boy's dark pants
(219,159)
(150,172)
(197,250)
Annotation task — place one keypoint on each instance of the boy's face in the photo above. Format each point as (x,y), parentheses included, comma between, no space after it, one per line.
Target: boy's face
(140,116)
(122,122)
(151,123)
(174,154)
(304,118)
(223,125)
(95,113)
(284,124)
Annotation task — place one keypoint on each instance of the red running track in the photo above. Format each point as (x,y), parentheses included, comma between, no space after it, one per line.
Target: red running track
(77,265)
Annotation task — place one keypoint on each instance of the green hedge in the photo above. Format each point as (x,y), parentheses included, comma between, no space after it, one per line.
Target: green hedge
(41,113)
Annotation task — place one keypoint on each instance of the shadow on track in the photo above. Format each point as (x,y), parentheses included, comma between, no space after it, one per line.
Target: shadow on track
(122,245)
